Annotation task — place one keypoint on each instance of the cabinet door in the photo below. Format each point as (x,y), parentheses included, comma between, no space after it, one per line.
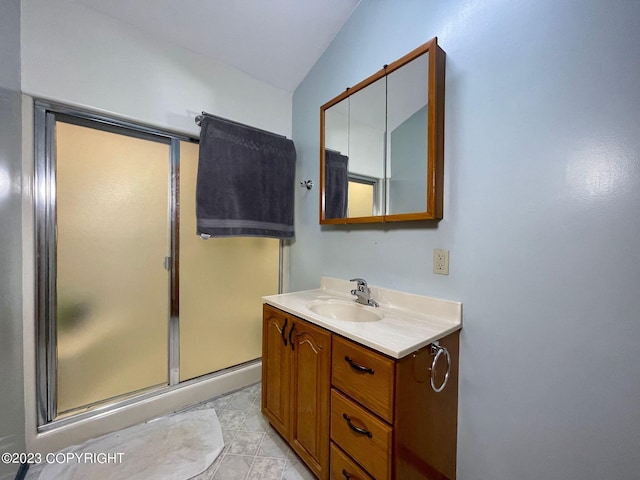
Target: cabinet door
(276,369)
(310,396)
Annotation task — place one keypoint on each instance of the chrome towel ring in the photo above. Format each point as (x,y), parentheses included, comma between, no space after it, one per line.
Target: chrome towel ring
(437,350)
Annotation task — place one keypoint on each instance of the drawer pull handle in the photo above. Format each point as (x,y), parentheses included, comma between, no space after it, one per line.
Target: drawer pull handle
(359,368)
(359,430)
(284,327)
(293,325)
(348,476)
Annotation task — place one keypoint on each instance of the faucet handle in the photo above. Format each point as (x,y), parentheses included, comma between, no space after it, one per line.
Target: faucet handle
(361,281)
(363,292)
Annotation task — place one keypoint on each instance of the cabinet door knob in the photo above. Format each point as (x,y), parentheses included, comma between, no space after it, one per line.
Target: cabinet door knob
(359,430)
(359,368)
(348,476)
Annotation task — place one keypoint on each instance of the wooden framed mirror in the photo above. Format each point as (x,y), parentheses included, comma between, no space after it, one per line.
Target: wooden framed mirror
(382,144)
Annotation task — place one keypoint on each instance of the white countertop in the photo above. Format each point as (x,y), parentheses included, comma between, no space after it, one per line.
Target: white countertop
(409,321)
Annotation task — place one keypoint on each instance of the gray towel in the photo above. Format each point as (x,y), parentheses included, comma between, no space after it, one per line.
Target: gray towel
(245,181)
(336,184)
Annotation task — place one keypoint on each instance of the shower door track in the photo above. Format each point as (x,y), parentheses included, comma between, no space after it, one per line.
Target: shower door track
(146,394)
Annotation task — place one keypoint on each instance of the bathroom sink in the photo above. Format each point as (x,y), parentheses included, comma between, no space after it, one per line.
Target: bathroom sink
(345,311)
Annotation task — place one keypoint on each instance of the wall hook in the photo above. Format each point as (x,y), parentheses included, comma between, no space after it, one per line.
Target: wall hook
(307,183)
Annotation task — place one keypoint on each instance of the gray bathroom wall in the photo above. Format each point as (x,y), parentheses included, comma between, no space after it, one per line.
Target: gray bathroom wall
(11,381)
(541,217)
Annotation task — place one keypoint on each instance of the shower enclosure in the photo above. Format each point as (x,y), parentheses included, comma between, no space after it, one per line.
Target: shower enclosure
(131,303)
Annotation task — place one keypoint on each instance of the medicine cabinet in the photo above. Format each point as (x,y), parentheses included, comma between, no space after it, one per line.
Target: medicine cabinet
(382,144)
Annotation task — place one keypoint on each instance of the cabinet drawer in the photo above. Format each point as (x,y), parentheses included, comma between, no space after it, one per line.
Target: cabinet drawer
(371,445)
(366,376)
(343,468)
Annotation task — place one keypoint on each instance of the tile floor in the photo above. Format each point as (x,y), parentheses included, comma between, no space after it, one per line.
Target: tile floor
(253,449)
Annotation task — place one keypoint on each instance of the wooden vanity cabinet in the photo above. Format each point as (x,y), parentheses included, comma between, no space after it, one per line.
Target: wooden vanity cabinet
(352,413)
(386,417)
(426,422)
(296,373)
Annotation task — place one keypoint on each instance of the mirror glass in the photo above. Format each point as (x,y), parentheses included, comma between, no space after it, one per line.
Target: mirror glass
(336,160)
(354,146)
(381,144)
(406,171)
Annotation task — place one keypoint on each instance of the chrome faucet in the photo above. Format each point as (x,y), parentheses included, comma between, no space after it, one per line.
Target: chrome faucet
(363,292)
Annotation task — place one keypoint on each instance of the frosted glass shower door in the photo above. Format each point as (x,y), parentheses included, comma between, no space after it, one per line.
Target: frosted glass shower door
(222,281)
(112,286)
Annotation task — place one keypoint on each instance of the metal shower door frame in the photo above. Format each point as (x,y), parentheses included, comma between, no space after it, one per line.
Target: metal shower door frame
(46,116)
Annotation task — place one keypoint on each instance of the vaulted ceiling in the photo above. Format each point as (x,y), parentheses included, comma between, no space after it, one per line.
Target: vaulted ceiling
(276,41)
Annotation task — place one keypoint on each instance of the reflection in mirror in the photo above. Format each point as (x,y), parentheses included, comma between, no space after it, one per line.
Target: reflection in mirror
(367,128)
(360,199)
(336,184)
(365,196)
(336,159)
(354,145)
(407,97)
(336,127)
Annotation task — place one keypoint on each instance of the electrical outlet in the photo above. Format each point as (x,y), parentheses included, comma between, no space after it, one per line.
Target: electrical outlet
(441,261)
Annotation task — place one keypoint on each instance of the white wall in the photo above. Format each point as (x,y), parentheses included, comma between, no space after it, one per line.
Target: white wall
(541,216)
(11,398)
(78,56)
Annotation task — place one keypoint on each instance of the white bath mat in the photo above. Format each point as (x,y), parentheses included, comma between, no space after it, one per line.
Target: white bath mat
(175,447)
